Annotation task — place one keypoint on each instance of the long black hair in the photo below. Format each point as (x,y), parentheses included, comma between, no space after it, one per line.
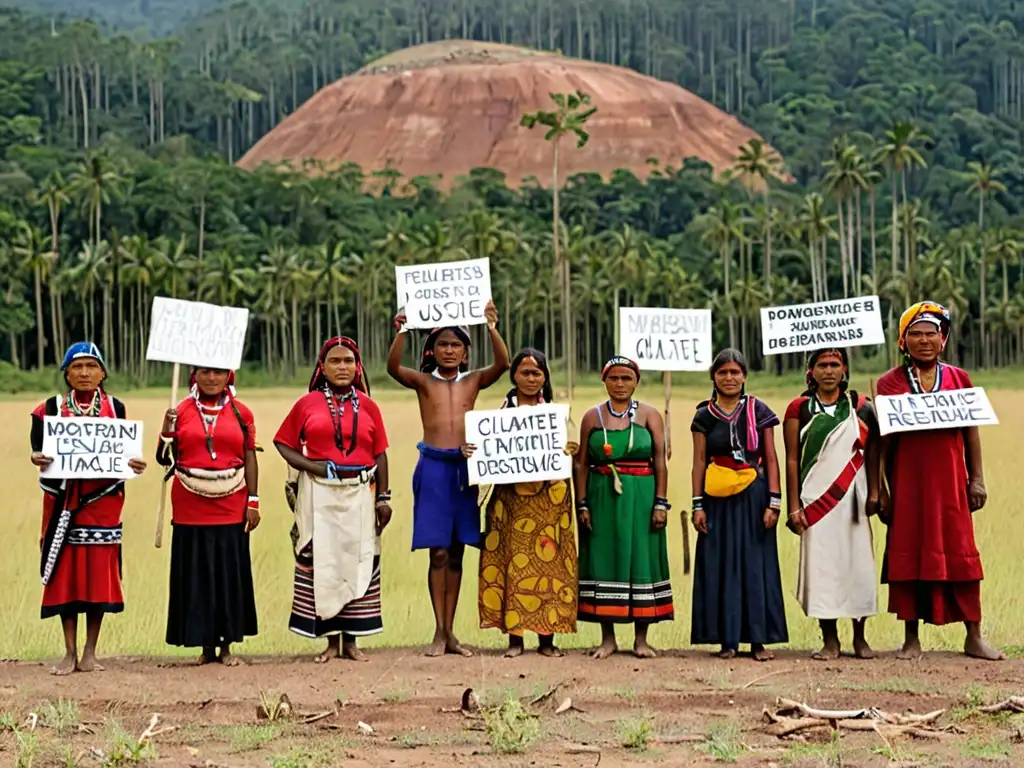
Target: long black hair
(542,363)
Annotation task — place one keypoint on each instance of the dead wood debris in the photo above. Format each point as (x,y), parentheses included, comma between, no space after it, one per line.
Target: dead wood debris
(791,717)
(1013,704)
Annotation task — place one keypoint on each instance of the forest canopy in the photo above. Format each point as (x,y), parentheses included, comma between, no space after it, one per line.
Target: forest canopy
(900,123)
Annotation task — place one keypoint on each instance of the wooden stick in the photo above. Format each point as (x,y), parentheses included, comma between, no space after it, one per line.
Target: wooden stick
(158,540)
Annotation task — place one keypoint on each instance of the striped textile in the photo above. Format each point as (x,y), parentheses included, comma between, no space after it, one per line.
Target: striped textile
(619,601)
(358,618)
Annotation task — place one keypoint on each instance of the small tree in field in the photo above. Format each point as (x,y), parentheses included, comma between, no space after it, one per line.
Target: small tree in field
(572,110)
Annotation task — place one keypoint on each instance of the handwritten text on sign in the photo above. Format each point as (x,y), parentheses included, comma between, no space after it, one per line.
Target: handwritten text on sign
(194,333)
(803,327)
(87,447)
(951,409)
(666,339)
(518,445)
(450,293)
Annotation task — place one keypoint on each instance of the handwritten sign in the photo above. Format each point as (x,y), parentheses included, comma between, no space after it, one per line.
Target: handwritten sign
(803,327)
(90,448)
(194,333)
(666,339)
(518,445)
(449,293)
(951,409)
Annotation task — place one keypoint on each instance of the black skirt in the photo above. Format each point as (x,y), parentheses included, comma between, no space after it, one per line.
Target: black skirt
(737,587)
(211,599)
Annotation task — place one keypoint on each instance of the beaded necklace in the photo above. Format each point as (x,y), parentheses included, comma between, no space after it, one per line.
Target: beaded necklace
(208,415)
(338,412)
(93,409)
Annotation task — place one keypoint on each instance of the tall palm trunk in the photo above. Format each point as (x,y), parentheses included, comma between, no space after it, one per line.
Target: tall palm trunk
(40,335)
(895,227)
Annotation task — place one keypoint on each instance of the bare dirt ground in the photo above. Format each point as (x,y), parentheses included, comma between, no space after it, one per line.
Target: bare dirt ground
(679,709)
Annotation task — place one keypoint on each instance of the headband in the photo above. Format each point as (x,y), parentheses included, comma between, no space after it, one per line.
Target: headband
(619,361)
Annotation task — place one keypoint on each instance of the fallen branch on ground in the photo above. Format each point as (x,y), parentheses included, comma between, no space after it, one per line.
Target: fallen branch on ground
(1013,704)
(152,730)
(791,717)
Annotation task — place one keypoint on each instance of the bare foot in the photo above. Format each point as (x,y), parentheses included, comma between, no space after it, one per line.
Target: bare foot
(862,650)
(911,650)
(977,648)
(66,666)
(829,652)
(332,652)
(550,651)
(761,653)
(455,648)
(513,651)
(606,649)
(727,653)
(89,664)
(643,651)
(351,651)
(437,645)
(203,660)
(229,660)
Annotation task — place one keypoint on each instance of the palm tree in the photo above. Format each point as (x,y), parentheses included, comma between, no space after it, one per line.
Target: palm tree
(759,161)
(898,154)
(571,113)
(817,226)
(719,228)
(95,182)
(984,183)
(846,180)
(53,194)
(30,248)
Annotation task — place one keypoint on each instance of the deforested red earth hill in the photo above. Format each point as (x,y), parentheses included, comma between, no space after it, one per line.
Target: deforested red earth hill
(443,109)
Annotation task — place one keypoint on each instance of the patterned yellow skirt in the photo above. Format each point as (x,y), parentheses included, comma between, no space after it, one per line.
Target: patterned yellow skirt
(528,564)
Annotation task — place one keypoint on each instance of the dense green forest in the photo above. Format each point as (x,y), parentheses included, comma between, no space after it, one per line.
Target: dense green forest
(900,123)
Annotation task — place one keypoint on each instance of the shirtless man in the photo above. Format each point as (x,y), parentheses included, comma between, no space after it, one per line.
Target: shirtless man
(446,515)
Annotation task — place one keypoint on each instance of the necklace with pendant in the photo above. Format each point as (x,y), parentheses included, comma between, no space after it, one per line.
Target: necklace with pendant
(92,409)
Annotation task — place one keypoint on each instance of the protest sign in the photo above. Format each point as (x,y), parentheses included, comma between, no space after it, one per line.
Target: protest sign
(803,327)
(518,445)
(666,339)
(949,409)
(194,333)
(449,293)
(90,448)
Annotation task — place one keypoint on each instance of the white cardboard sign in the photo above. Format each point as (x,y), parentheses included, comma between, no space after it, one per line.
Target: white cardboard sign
(666,339)
(444,294)
(518,445)
(88,447)
(803,327)
(195,333)
(949,409)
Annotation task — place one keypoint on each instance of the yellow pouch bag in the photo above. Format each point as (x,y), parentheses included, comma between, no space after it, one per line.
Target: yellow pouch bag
(722,482)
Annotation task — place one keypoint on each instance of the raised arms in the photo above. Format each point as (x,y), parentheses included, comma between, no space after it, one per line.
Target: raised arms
(495,370)
(407,377)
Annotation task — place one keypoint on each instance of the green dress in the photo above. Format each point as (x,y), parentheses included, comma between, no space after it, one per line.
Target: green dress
(623,562)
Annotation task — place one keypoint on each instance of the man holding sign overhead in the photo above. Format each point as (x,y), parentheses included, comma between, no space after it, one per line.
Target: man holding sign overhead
(81,536)
(936,483)
(446,516)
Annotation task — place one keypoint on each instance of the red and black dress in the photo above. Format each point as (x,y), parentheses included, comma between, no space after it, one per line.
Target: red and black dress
(81,533)
(211,602)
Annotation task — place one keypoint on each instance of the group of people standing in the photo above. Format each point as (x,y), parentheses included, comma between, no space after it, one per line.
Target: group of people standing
(533,575)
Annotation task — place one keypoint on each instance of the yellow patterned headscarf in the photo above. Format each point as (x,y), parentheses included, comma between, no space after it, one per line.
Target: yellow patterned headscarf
(924,311)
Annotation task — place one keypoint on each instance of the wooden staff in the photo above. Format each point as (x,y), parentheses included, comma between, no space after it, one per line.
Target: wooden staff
(158,540)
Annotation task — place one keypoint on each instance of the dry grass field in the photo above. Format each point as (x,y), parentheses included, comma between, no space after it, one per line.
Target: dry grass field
(407,616)
(402,709)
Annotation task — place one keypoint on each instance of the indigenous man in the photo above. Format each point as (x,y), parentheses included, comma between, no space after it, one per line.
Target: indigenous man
(446,516)
(936,482)
(832,488)
(81,533)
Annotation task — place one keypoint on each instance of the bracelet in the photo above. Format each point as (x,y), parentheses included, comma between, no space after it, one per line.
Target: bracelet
(661,503)
(775,501)
(581,506)
(384,496)
(698,504)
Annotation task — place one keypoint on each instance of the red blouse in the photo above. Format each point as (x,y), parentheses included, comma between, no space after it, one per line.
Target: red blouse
(229,445)
(309,429)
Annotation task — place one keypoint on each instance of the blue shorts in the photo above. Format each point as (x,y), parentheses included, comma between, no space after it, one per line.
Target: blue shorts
(445,511)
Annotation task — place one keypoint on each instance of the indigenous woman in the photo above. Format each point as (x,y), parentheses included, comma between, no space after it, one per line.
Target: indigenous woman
(737,589)
(936,483)
(209,440)
(335,438)
(81,534)
(623,553)
(528,562)
(832,489)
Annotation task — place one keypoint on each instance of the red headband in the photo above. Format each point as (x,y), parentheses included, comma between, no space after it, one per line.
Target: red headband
(317,380)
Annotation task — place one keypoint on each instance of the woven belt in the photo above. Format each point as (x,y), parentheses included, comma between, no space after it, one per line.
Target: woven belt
(624,468)
(94,535)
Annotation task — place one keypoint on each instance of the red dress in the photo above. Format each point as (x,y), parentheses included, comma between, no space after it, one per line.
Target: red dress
(87,575)
(932,565)
(229,445)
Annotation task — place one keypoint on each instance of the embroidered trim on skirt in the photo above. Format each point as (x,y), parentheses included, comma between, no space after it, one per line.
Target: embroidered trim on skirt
(358,618)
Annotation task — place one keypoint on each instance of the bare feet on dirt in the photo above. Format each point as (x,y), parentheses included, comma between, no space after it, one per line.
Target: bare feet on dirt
(455,648)
(829,652)
(437,645)
(351,651)
(727,653)
(65,666)
(89,664)
(911,650)
(228,659)
(642,650)
(514,651)
(862,650)
(606,649)
(550,651)
(761,653)
(333,652)
(977,648)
